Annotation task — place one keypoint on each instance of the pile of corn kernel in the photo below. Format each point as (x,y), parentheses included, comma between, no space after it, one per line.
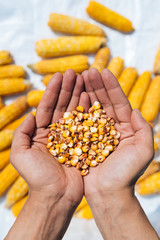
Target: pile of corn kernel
(83,140)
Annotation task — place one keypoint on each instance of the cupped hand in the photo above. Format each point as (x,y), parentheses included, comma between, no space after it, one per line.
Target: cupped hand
(121,168)
(29,155)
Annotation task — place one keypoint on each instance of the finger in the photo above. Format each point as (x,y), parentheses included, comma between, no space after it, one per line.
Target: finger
(84,101)
(45,109)
(101,92)
(117,97)
(78,89)
(89,88)
(68,83)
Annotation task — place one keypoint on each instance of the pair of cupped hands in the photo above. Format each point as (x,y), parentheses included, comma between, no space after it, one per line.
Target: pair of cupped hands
(47,179)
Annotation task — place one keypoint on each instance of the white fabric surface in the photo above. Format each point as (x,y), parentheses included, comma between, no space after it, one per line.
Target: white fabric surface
(23,22)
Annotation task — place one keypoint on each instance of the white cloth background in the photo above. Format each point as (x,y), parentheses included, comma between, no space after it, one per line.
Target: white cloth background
(23,22)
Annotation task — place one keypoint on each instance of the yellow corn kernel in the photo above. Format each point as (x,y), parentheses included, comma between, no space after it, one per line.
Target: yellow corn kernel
(80,109)
(108,17)
(12,111)
(105,152)
(96,105)
(85,148)
(4,158)
(116,66)
(138,91)
(1,104)
(18,206)
(78,63)
(85,212)
(127,79)
(71,25)
(15,124)
(88,123)
(61,159)
(63,46)
(101,59)
(6,137)
(7,176)
(17,191)
(156,66)
(46,79)
(5,57)
(34,97)
(150,105)
(8,87)
(11,71)
(149,185)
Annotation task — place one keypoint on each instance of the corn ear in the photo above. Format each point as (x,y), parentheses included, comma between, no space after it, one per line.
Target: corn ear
(84,213)
(108,17)
(4,158)
(150,105)
(7,176)
(156,66)
(152,168)
(64,46)
(17,191)
(82,204)
(46,79)
(71,25)
(127,79)
(12,71)
(116,66)
(34,97)
(5,57)
(139,89)
(8,87)
(101,59)
(17,207)
(12,111)
(15,124)
(6,137)
(78,63)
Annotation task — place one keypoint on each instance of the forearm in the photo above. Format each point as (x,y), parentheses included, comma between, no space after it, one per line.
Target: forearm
(41,220)
(119,216)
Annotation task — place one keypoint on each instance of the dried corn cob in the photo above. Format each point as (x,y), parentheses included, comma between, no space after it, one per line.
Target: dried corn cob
(78,63)
(101,59)
(138,91)
(152,168)
(1,104)
(18,206)
(46,79)
(7,176)
(149,185)
(4,158)
(150,105)
(5,57)
(71,25)
(116,66)
(6,137)
(17,191)
(156,67)
(84,213)
(127,79)
(11,71)
(108,17)
(82,204)
(15,124)
(34,97)
(13,86)
(12,111)
(63,46)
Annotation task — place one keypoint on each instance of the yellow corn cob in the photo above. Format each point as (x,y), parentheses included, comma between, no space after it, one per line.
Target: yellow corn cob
(155,144)
(101,59)
(149,185)
(78,63)
(156,66)
(116,66)
(15,124)
(5,57)
(84,213)
(127,79)
(18,206)
(63,46)
(1,104)
(46,79)
(4,158)
(13,86)
(138,91)
(6,137)
(11,71)
(7,176)
(71,25)
(17,191)
(12,111)
(34,97)
(150,105)
(108,17)
(82,204)
(152,168)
